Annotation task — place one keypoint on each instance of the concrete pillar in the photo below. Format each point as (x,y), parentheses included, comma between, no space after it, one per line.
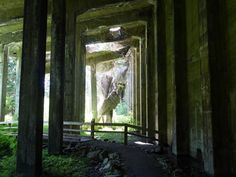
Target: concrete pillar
(143,85)
(79,80)
(18,73)
(152,76)
(136,86)
(29,146)
(206,90)
(94,91)
(162,57)
(3,81)
(181,134)
(219,88)
(70,61)
(57,77)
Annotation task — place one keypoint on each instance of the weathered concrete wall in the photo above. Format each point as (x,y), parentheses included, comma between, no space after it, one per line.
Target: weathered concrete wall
(221,28)
(197,73)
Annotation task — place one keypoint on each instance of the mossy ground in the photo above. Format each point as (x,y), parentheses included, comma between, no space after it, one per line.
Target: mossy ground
(53,166)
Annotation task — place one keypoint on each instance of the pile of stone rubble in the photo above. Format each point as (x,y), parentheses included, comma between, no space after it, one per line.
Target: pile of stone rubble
(103,163)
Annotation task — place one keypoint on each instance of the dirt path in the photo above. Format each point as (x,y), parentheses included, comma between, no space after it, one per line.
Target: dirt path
(137,162)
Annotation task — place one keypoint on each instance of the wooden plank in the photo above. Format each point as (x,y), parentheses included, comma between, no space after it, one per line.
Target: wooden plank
(100,131)
(74,123)
(110,124)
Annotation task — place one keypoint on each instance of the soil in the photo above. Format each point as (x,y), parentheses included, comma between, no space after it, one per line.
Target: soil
(142,160)
(147,160)
(138,160)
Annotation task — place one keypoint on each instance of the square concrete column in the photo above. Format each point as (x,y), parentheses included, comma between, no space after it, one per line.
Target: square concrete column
(3,80)
(152,99)
(94,91)
(181,129)
(29,149)
(18,71)
(57,78)
(161,67)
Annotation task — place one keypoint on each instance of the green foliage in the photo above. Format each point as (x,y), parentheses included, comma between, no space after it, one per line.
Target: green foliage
(7,156)
(64,166)
(122,109)
(7,145)
(53,166)
(118,137)
(128,119)
(8,166)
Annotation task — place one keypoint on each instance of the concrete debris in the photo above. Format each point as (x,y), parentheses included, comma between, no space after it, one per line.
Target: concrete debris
(103,162)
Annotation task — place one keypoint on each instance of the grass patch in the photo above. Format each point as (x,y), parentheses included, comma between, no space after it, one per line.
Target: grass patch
(7,156)
(53,166)
(64,166)
(117,137)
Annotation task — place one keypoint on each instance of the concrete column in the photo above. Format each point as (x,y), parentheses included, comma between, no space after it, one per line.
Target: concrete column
(70,61)
(206,90)
(18,73)
(219,80)
(152,77)
(94,91)
(162,95)
(29,147)
(136,86)
(3,81)
(79,80)
(143,85)
(57,77)
(181,134)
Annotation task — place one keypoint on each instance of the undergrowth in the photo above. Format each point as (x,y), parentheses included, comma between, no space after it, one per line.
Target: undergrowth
(64,166)
(53,166)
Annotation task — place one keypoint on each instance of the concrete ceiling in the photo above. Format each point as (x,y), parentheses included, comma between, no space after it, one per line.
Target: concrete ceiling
(11,20)
(11,9)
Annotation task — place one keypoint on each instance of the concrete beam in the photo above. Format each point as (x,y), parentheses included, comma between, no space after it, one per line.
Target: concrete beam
(114,10)
(29,149)
(12,31)
(103,34)
(97,57)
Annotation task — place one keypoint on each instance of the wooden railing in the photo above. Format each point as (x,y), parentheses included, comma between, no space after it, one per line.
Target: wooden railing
(137,130)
